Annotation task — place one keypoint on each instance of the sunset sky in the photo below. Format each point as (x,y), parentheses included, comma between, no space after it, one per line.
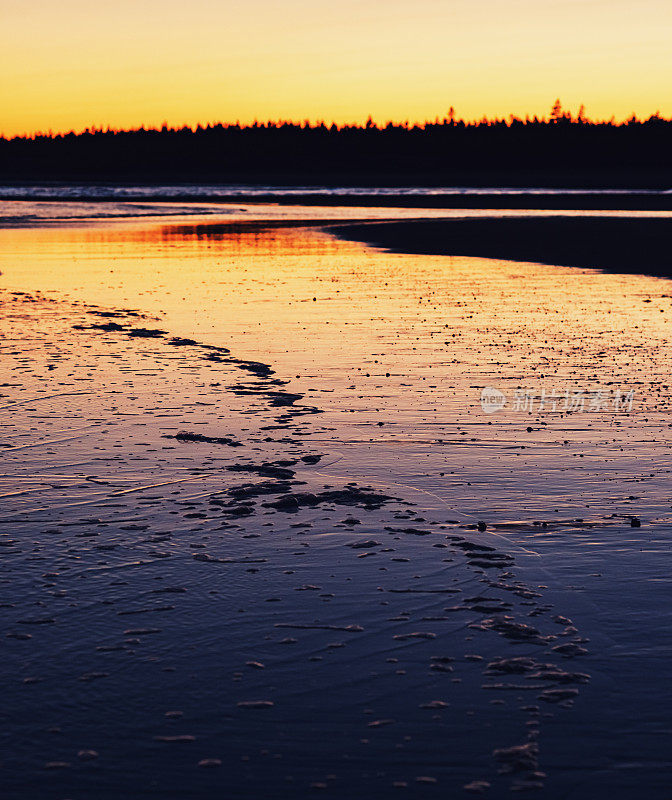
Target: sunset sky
(75,63)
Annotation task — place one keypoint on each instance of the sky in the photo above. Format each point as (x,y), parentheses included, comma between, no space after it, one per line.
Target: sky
(77,63)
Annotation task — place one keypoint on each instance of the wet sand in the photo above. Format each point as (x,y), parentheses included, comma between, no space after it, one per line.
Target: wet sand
(198,598)
(260,537)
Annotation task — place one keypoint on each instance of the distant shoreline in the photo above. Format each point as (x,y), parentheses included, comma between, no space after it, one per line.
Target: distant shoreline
(563,151)
(626,244)
(560,200)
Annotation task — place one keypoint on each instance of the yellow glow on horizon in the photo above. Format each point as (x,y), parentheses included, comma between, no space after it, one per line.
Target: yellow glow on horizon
(73,64)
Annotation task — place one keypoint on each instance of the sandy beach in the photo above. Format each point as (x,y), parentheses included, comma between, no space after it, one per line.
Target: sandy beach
(300,501)
(335,400)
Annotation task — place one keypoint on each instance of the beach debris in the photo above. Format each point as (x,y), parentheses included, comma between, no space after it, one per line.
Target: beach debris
(558,695)
(519,758)
(350,496)
(187,436)
(318,626)
(476,787)
(266,469)
(178,341)
(536,670)
(380,723)
(212,560)
(179,739)
(506,626)
(209,763)
(255,704)
(569,649)
(146,333)
(93,676)
(434,704)
(141,631)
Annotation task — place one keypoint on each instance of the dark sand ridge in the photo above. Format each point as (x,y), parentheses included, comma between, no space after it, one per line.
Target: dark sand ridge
(620,244)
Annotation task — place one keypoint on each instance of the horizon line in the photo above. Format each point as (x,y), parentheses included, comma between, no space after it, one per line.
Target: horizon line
(557,115)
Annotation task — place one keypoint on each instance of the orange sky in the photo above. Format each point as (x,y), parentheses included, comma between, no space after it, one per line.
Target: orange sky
(74,63)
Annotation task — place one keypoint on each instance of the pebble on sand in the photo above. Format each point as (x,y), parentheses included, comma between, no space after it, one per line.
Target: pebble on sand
(476,787)
(255,704)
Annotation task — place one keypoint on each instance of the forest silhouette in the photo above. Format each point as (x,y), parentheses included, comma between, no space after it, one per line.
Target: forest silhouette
(562,149)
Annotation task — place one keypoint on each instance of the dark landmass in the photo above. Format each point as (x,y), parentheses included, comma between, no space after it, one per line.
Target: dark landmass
(559,152)
(620,244)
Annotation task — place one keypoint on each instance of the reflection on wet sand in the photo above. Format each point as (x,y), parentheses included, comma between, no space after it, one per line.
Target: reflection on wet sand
(284,475)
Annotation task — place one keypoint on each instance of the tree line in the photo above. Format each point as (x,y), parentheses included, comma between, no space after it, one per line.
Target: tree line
(565,147)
